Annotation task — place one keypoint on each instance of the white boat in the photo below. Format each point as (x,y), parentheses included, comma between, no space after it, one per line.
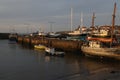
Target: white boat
(101,33)
(74,33)
(40,47)
(53,35)
(80,30)
(52,52)
(103,47)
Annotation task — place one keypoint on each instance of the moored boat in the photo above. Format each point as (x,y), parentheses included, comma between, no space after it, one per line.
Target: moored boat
(103,47)
(12,38)
(40,47)
(52,52)
(96,49)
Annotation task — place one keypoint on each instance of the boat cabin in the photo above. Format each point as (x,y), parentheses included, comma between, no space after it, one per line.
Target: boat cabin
(94,44)
(101,32)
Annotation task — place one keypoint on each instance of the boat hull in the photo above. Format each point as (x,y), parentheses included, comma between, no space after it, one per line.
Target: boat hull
(52,52)
(102,52)
(40,47)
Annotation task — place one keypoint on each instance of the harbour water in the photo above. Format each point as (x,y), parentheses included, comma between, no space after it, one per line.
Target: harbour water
(20,63)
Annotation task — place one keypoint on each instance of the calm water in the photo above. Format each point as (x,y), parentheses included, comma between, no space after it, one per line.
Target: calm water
(19,63)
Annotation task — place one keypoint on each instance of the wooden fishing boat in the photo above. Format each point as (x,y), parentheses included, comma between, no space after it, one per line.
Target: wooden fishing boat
(96,49)
(103,47)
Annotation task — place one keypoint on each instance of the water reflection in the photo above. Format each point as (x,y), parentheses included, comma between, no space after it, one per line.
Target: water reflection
(12,46)
(24,63)
(47,58)
(88,66)
(80,63)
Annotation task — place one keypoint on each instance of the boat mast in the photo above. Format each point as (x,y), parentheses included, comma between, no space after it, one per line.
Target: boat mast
(113,22)
(93,20)
(113,19)
(71,18)
(81,22)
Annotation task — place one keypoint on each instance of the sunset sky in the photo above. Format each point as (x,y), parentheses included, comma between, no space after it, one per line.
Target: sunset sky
(32,15)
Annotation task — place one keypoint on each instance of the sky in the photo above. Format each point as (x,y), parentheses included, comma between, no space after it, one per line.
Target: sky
(26,16)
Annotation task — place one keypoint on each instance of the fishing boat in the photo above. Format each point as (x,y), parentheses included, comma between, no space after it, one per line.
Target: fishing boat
(103,47)
(97,48)
(101,33)
(40,47)
(51,51)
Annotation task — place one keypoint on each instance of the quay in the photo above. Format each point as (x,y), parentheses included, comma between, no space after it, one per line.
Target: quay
(65,45)
(4,35)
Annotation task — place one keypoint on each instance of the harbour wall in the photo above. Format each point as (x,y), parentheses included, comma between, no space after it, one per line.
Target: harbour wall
(4,35)
(66,45)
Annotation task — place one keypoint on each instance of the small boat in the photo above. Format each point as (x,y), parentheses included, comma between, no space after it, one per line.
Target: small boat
(41,47)
(52,52)
(12,38)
